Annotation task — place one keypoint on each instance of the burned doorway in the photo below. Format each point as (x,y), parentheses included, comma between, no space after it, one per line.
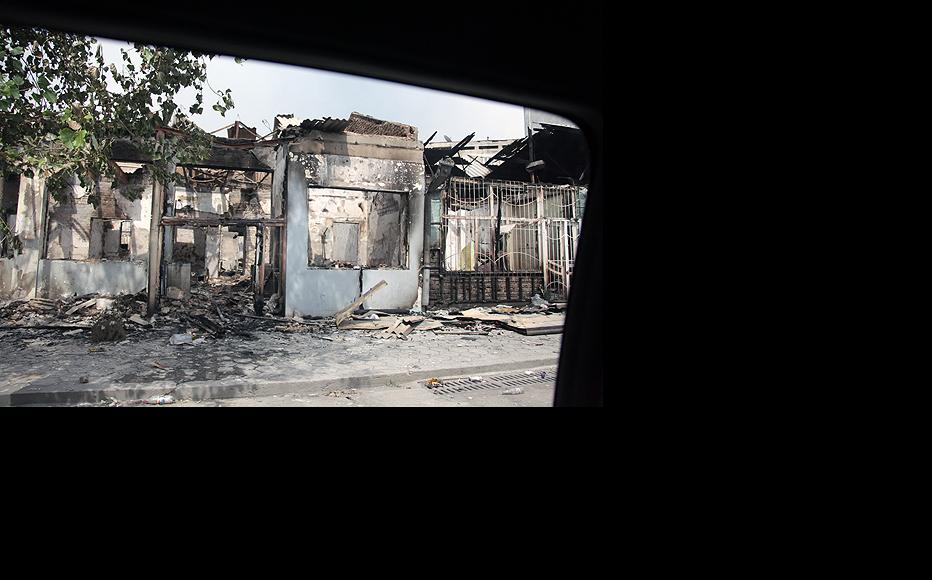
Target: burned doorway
(219,231)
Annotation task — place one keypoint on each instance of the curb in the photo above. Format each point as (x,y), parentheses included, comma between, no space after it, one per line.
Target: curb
(202,390)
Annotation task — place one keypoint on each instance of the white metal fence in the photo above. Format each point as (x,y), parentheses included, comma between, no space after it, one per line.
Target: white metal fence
(511,226)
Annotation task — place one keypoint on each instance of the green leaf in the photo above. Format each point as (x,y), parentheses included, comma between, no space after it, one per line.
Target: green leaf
(50,96)
(66,136)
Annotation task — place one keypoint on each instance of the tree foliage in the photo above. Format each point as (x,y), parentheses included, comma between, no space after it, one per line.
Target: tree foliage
(59,117)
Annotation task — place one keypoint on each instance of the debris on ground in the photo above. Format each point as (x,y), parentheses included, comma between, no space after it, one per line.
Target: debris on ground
(163,400)
(538,317)
(177,339)
(513,391)
(108,329)
(347,311)
(215,309)
(136,319)
(433,382)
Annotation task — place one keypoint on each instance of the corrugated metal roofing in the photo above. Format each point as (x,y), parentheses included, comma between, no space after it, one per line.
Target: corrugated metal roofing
(477,169)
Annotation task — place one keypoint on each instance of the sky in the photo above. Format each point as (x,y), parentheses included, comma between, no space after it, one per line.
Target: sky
(262,90)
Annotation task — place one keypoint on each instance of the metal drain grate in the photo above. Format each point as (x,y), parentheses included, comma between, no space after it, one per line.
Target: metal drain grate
(503,381)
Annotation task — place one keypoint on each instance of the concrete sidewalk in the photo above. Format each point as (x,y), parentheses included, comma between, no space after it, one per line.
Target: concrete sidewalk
(536,392)
(48,369)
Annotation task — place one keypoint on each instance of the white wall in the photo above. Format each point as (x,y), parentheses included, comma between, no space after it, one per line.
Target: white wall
(323,292)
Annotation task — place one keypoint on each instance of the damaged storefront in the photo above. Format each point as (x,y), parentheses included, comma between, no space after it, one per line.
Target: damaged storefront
(309,219)
(355,213)
(504,226)
(76,240)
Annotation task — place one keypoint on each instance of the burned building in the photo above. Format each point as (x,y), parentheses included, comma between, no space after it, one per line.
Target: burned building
(504,226)
(313,215)
(79,240)
(97,240)
(355,213)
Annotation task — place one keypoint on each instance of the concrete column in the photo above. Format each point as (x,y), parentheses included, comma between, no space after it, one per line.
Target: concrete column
(212,252)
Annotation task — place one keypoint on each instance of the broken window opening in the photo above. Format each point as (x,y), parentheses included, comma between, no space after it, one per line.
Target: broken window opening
(110,239)
(357,228)
(223,192)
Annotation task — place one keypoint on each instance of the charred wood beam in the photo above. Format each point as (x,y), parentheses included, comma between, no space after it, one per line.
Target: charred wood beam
(222,221)
(369,189)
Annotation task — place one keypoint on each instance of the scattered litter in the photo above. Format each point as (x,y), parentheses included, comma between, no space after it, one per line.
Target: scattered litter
(108,329)
(135,318)
(476,379)
(83,380)
(177,339)
(163,400)
(536,300)
(74,332)
(433,382)
(159,365)
(174,293)
(513,391)
(81,306)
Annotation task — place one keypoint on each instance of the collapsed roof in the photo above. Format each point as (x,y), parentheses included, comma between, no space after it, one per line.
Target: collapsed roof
(289,126)
(224,154)
(563,150)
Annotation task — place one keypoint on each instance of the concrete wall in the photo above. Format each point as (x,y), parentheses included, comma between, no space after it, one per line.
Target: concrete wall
(362,161)
(69,271)
(18,274)
(70,221)
(60,278)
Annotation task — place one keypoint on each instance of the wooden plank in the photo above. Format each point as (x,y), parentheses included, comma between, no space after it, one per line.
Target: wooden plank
(382,323)
(531,324)
(477,314)
(80,306)
(428,325)
(345,313)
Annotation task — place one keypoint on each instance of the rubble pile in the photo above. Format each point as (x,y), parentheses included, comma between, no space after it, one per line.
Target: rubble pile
(215,310)
(537,317)
(226,308)
(75,312)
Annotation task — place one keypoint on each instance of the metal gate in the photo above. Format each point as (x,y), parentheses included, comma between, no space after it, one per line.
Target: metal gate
(511,226)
